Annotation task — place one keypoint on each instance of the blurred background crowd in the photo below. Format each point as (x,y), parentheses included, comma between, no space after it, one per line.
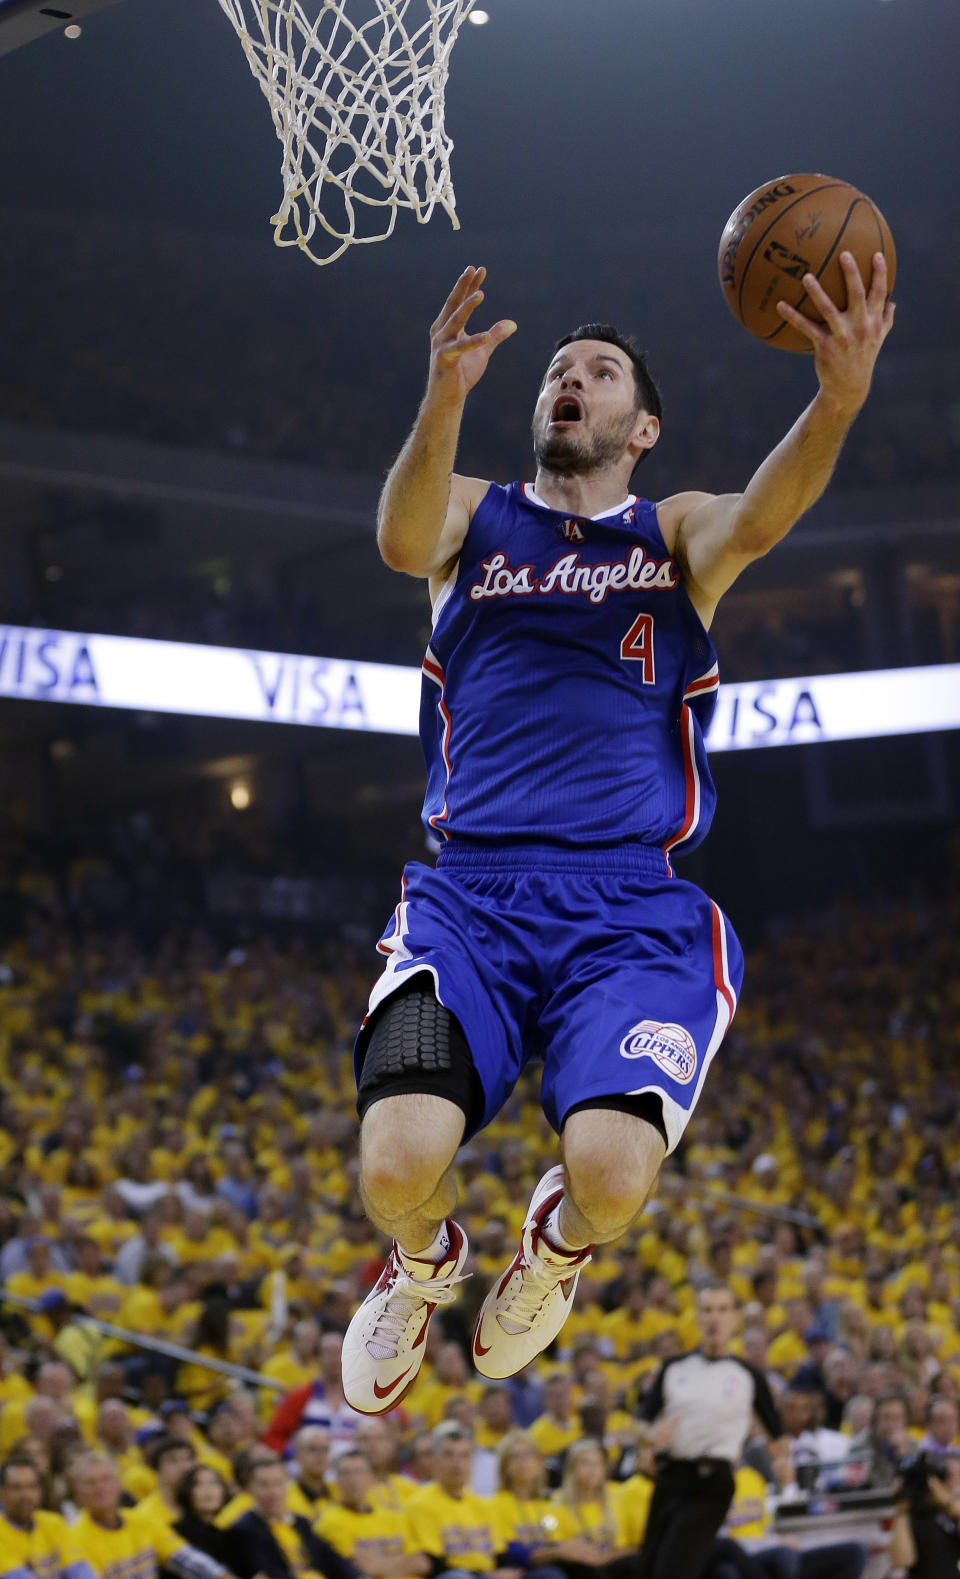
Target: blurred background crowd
(178,1158)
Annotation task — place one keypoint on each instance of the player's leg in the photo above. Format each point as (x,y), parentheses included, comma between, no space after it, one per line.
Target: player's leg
(407,1144)
(418,1090)
(648,987)
(611,1161)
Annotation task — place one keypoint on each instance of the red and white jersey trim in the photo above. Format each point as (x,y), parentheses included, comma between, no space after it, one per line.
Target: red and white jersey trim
(434,671)
(394,943)
(704,684)
(676,1117)
(726,999)
(401,963)
(691,808)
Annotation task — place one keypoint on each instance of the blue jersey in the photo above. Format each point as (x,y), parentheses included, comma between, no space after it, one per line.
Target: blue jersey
(567,684)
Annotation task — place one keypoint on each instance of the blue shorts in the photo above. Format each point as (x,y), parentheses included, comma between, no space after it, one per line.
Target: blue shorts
(620,977)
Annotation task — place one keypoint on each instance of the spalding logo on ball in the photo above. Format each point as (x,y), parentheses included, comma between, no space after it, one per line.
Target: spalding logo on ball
(797,225)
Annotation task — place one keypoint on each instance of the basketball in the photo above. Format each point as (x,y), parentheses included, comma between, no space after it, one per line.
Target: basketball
(790,227)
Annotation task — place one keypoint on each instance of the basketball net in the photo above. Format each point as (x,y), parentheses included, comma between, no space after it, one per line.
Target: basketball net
(356,92)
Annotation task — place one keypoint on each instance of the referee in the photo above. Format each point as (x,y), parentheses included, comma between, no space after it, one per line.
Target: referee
(703,1404)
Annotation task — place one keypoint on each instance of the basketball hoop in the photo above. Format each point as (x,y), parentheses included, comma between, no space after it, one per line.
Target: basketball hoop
(356,92)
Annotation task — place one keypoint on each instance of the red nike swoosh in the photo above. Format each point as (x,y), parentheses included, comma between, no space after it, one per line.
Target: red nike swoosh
(481,1348)
(384,1392)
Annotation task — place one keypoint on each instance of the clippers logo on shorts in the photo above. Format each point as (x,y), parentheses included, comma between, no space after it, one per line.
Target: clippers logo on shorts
(670,1046)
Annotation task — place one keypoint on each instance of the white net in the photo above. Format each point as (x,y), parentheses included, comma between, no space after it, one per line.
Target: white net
(356,92)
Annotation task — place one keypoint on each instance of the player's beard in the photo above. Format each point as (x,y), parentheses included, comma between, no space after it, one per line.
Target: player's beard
(570,455)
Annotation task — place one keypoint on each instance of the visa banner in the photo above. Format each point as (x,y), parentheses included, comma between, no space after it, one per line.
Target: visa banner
(336,693)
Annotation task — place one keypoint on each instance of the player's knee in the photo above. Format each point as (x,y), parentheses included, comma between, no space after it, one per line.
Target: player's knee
(609,1188)
(608,1203)
(401,1163)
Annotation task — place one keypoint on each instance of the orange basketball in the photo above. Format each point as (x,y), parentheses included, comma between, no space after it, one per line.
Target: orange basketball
(793,226)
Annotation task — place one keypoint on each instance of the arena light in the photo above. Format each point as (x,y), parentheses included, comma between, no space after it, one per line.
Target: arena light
(334,693)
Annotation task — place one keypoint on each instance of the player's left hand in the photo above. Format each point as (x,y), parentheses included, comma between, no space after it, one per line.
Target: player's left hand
(846,345)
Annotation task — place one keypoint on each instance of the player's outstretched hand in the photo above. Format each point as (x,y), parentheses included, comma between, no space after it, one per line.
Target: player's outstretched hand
(459,360)
(847,343)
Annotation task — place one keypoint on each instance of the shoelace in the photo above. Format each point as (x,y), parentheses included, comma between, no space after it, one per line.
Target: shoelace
(407,1294)
(537,1282)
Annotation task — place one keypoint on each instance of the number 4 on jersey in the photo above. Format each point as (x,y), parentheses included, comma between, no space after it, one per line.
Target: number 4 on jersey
(638,645)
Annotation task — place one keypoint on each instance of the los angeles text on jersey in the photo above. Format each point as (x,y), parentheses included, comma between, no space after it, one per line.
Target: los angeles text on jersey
(570,574)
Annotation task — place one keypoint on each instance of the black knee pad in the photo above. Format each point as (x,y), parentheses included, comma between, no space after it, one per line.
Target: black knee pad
(414,1044)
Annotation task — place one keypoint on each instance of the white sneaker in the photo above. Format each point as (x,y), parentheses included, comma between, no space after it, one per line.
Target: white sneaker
(523,1313)
(384,1345)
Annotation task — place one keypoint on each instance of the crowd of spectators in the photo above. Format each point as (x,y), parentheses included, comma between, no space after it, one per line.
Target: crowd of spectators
(331,374)
(178,1157)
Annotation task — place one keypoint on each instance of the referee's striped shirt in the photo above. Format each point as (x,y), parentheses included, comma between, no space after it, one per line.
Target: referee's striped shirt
(713,1403)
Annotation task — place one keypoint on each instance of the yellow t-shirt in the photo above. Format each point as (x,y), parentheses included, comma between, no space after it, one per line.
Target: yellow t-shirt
(134,1550)
(233,1510)
(110,1234)
(601,1523)
(14,1386)
(215,1242)
(431,1398)
(375,1532)
(138,1481)
(302,1502)
(286,1368)
(200,1386)
(393,1492)
(100,1296)
(748,1517)
(632,1501)
(458,1529)
(153,1507)
(553,1438)
(786,1352)
(30,1287)
(520,1519)
(40,1550)
(629,1335)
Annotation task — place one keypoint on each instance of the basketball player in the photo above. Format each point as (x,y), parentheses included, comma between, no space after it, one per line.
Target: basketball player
(568,684)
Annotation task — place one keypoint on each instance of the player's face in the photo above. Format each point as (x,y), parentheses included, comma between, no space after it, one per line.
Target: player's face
(586,412)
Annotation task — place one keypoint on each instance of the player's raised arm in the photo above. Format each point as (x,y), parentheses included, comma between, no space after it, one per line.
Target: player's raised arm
(425,509)
(715,538)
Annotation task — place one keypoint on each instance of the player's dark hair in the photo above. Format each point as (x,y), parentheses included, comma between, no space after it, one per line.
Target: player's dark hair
(647,394)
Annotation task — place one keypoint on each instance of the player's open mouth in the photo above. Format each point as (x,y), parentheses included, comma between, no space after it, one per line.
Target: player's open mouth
(566,408)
